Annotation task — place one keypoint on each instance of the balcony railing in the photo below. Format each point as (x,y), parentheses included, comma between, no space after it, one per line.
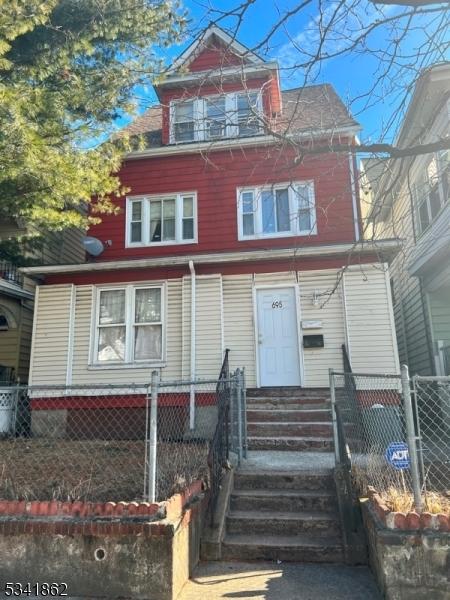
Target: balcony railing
(10,273)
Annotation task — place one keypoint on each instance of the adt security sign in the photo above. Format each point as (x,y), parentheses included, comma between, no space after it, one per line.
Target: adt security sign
(397,455)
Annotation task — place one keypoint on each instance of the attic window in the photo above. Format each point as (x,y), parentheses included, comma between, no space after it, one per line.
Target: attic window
(247,114)
(216,117)
(184,123)
(4,325)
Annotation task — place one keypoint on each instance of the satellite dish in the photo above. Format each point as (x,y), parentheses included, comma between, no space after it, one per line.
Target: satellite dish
(93,246)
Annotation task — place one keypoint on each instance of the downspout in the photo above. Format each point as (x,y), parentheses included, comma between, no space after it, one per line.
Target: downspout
(356,218)
(192,391)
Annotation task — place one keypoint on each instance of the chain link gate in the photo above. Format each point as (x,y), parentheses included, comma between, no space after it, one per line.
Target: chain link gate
(378,420)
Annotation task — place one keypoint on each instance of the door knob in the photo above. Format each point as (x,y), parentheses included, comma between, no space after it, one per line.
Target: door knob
(260,339)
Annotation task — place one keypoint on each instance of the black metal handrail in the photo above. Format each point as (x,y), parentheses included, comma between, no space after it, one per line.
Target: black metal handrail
(345,419)
(225,369)
(220,444)
(10,273)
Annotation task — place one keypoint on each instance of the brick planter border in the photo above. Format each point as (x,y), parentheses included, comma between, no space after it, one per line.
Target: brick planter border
(411,521)
(96,518)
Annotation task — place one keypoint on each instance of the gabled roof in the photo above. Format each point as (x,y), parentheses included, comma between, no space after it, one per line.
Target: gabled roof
(312,109)
(212,35)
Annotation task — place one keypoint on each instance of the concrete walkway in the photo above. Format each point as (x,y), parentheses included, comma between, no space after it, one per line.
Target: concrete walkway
(286,581)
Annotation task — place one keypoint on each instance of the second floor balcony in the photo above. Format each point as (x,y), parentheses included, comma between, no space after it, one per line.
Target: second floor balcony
(10,273)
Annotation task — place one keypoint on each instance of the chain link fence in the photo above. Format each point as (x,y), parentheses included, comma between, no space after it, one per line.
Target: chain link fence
(393,433)
(432,405)
(111,442)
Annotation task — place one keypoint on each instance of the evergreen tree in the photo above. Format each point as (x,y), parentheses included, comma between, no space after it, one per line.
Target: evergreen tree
(68,68)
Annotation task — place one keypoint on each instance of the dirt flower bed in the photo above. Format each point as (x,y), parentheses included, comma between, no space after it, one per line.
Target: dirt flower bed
(98,471)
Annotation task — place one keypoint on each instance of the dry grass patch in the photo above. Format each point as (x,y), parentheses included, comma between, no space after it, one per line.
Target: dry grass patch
(95,470)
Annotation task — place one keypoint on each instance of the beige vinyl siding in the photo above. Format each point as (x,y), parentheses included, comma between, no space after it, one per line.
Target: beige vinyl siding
(26,328)
(327,309)
(51,332)
(370,334)
(186,328)
(208,332)
(225,319)
(409,308)
(82,372)
(239,329)
(275,278)
(84,306)
(173,330)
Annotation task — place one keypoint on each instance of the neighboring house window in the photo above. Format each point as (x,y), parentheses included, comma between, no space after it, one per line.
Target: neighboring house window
(161,220)
(216,117)
(433,193)
(277,211)
(129,325)
(4,325)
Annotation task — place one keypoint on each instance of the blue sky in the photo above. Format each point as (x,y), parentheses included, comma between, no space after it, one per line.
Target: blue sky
(352,74)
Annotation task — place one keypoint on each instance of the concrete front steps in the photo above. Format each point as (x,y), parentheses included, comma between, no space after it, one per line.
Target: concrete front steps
(289,419)
(287,516)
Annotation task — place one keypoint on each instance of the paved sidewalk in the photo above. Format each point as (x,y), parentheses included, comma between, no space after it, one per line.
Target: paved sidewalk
(286,581)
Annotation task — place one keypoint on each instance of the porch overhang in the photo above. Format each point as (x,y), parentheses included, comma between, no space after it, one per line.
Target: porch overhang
(13,290)
(384,250)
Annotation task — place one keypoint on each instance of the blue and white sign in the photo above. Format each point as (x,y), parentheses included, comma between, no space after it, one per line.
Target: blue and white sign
(397,455)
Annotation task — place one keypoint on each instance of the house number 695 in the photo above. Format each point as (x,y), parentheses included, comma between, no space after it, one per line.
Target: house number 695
(277,304)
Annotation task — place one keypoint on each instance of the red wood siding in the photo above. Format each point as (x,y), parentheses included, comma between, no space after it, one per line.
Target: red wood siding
(245,267)
(216,178)
(215,56)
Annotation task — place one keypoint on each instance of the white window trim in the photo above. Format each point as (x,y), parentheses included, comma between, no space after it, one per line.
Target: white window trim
(232,126)
(129,361)
(146,198)
(293,211)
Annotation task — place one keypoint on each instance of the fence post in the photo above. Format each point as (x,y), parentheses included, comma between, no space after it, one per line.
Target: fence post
(152,438)
(239,397)
(411,436)
(337,453)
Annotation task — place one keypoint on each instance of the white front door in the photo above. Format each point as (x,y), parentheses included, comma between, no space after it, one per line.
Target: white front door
(278,351)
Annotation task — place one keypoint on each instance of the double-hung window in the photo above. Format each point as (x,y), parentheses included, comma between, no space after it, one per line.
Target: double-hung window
(248,114)
(236,114)
(432,192)
(279,210)
(129,325)
(183,119)
(215,118)
(161,220)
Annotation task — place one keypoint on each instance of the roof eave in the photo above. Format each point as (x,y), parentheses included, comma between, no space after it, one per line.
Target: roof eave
(385,249)
(260,140)
(192,78)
